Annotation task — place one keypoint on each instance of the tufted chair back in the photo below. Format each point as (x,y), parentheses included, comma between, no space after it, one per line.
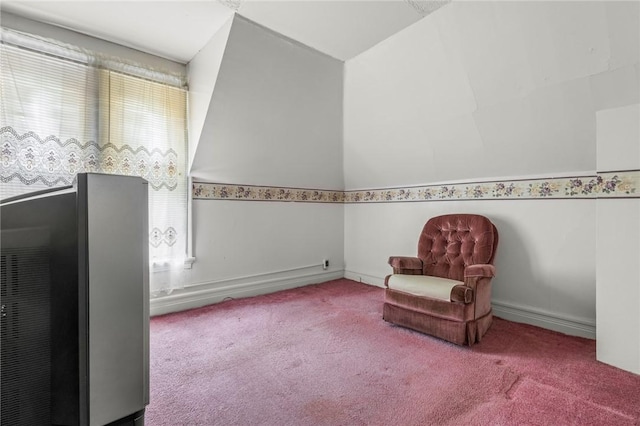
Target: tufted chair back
(449,243)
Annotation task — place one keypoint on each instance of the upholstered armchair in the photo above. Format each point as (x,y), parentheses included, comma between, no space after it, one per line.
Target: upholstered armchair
(446,290)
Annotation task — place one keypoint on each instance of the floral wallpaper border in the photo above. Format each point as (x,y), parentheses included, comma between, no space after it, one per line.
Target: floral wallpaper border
(218,191)
(623,184)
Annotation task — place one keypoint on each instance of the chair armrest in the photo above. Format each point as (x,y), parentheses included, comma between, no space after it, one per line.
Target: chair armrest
(405,262)
(462,294)
(486,271)
(479,277)
(406,265)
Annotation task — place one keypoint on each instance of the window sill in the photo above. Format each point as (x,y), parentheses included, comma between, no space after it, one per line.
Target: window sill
(188,262)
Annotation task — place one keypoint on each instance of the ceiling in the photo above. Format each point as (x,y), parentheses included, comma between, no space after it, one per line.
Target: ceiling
(178,29)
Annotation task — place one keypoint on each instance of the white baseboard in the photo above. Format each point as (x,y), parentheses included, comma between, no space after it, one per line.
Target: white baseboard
(364,278)
(513,312)
(551,321)
(203,294)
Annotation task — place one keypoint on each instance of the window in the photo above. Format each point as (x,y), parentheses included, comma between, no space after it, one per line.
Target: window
(66,111)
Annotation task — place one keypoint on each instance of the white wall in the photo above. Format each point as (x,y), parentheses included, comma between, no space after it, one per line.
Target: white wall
(276,114)
(246,248)
(274,119)
(480,90)
(257,237)
(488,89)
(203,75)
(618,242)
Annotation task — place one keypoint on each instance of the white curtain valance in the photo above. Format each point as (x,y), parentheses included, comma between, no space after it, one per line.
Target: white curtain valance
(94,59)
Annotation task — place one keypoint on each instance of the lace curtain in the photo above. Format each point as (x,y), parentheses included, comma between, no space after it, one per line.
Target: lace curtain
(61,117)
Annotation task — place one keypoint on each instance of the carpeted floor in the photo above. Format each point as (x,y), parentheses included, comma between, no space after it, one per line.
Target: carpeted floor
(322,355)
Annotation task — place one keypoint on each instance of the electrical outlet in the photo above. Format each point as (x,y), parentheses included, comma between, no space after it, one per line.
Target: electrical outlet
(325,263)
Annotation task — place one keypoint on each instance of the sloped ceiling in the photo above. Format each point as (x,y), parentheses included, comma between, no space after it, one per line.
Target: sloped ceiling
(341,29)
(178,30)
(275,113)
(174,30)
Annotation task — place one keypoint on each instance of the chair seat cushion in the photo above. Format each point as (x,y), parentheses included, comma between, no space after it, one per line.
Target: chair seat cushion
(423,285)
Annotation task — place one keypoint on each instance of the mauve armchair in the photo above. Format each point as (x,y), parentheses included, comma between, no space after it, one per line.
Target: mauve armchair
(446,290)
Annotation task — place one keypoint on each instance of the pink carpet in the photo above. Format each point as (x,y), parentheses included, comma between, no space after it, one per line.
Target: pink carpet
(322,355)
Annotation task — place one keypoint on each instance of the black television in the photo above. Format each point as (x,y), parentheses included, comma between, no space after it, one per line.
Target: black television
(74,302)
